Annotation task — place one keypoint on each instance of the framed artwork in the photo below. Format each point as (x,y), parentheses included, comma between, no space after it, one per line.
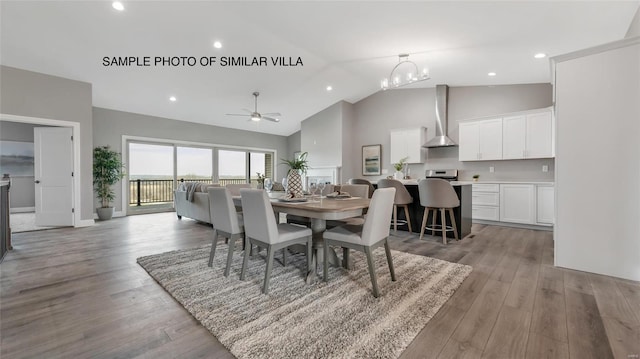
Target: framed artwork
(16,158)
(371,160)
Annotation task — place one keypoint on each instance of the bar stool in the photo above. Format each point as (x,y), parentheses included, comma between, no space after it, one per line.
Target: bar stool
(362,181)
(438,194)
(402,198)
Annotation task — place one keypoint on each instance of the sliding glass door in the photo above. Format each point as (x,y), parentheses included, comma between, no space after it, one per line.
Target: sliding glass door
(151,177)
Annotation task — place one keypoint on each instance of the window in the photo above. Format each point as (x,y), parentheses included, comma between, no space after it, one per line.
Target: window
(150,174)
(194,164)
(232,167)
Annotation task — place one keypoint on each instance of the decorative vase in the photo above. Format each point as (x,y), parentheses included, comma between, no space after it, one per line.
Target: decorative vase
(105,213)
(398,175)
(294,183)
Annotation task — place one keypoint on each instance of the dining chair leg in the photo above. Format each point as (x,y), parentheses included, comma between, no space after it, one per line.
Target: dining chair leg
(389,260)
(232,247)
(213,247)
(453,224)
(245,261)
(443,217)
(406,215)
(325,262)
(395,218)
(267,274)
(425,215)
(345,257)
(309,253)
(372,271)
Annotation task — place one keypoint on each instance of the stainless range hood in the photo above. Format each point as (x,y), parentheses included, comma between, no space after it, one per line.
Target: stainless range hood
(442,119)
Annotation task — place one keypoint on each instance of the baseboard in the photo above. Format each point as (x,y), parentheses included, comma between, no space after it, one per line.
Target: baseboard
(22,209)
(85,223)
(515,225)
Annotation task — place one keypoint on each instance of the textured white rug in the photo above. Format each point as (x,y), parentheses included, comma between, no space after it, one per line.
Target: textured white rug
(338,319)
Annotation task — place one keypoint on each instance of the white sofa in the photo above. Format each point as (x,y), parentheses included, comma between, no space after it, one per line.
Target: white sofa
(198,208)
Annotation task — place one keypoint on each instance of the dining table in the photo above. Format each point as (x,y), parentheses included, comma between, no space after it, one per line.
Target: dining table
(319,210)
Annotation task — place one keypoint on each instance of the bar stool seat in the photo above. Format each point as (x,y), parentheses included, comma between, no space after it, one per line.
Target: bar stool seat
(402,198)
(438,194)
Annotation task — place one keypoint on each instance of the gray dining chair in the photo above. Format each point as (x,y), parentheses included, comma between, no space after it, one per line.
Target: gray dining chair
(262,230)
(367,237)
(363,181)
(235,188)
(438,194)
(226,222)
(355,190)
(403,198)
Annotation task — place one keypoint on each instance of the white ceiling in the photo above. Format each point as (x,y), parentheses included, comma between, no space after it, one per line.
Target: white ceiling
(348,45)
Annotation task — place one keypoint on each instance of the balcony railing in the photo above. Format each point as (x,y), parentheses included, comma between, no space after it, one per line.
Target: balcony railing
(143,191)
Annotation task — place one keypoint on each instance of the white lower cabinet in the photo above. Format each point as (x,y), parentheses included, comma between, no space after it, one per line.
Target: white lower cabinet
(517,203)
(545,214)
(524,203)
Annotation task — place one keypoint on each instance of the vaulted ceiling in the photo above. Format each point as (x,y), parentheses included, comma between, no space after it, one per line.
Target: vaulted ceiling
(350,46)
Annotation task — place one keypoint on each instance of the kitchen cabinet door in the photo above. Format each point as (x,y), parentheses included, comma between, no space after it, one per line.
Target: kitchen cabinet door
(539,132)
(406,143)
(517,203)
(513,137)
(469,141)
(490,139)
(545,213)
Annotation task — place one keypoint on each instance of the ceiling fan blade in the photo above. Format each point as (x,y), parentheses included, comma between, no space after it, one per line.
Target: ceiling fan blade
(247,110)
(237,114)
(270,119)
(276,114)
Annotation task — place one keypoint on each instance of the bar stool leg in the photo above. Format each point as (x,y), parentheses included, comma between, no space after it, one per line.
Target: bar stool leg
(424,221)
(395,218)
(433,221)
(406,215)
(453,224)
(444,225)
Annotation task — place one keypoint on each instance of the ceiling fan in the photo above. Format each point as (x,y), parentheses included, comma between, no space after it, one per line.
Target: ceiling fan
(257,116)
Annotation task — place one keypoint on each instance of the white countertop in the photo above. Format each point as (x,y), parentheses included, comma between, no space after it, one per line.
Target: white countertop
(462,183)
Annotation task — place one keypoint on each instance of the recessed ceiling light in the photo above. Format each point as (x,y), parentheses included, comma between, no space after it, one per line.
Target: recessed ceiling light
(540,55)
(217,44)
(491,74)
(329,88)
(117,5)
(173,99)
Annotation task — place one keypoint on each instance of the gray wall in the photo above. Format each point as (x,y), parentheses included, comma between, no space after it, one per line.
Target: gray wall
(32,94)
(293,145)
(110,125)
(377,114)
(321,136)
(634,27)
(22,188)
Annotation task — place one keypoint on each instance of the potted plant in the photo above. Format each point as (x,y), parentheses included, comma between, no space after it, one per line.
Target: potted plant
(107,171)
(398,167)
(475,178)
(297,166)
(261,179)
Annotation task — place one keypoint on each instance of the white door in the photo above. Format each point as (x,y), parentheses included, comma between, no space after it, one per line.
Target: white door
(53,159)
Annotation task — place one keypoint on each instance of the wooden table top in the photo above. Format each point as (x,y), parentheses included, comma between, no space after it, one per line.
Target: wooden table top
(326,205)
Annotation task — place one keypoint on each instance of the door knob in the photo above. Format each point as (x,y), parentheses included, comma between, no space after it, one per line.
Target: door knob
(37,181)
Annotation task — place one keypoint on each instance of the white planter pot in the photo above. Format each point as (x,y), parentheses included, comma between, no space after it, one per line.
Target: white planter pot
(398,175)
(105,213)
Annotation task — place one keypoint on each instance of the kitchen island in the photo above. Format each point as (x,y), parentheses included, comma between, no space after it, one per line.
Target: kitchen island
(462,213)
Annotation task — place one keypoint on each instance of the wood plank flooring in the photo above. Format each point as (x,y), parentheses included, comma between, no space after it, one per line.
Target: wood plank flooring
(78,293)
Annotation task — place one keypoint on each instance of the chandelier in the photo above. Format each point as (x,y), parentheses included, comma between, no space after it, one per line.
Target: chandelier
(404,73)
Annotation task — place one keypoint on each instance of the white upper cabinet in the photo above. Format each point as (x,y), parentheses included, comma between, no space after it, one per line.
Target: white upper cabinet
(518,136)
(527,136)
(480,140)
(407,143)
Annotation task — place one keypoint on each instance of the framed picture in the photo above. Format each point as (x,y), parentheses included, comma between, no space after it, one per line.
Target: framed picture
(16,158)
(371,160)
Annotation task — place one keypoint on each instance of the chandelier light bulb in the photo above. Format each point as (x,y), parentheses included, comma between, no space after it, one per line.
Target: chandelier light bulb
(404,73)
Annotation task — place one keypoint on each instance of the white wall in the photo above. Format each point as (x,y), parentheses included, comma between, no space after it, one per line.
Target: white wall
(377,114)
(598,161)
(634,27)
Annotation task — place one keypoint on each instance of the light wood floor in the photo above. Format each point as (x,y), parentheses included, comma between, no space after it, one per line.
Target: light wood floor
(78,293)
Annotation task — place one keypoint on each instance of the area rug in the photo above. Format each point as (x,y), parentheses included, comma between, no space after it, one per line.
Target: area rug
(335,319)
